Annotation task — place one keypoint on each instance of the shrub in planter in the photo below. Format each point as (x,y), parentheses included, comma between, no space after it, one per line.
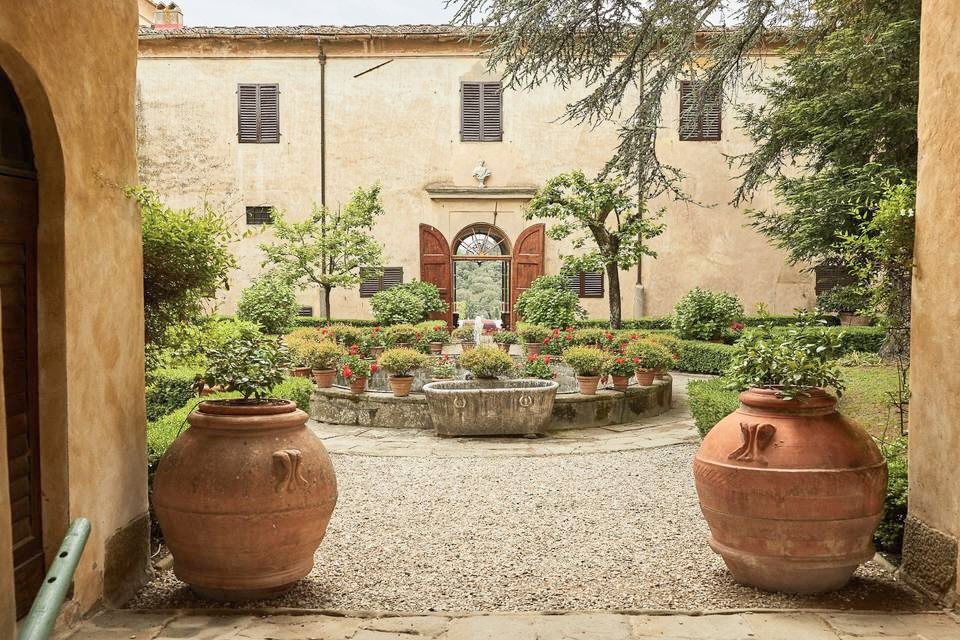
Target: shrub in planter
(375,341)
(620,368)
(536,367)
(443,369)
(649,359)
(556,342)
(408,303)
(346,334)
(401,334)
(433,335)
(549,302)
(401,363)
(323,358)
(355,369)
(589,363)
(705,315)
(531,334)
(270,303)
(251,367)
(505,339)
(486,361)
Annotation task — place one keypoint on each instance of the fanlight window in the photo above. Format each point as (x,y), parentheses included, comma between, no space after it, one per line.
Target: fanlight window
(481,240)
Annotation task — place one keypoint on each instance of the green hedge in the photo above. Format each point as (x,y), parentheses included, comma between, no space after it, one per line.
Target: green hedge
(889,535)
(696,356)
(863,339)
(169,389)
(710,401)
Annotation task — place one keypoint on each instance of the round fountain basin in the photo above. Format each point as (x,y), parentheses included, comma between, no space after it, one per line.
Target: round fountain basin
(490,407)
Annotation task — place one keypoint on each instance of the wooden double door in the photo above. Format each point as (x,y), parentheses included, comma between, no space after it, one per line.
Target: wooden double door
(436,265)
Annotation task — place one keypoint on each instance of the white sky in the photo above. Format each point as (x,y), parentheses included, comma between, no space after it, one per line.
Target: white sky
(232,13)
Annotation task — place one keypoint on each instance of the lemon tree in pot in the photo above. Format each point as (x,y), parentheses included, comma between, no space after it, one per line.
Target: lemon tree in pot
(649,359)
(589,363)
(486,362)
(323,357)
(245,494)
(791,489)
(401,363)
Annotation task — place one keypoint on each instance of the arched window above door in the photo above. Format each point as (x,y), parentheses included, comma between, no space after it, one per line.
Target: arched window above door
(482,240)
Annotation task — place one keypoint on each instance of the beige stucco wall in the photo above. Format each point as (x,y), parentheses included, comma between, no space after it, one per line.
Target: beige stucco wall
(90,318)
(399,124)
(934,377)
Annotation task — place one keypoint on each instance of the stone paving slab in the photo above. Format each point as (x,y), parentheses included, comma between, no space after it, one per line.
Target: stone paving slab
(134,625)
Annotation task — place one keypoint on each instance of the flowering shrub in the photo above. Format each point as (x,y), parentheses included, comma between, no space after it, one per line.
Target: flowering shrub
(345,334)
(649,355)
(621,366)
(376,337)
(486,362)
(353,367)
(705,315)
(400,362)
(533,334)
(401,333)
(556,342)
(444,367)
(536,367)
(463,333)
(506,337)
(433,331)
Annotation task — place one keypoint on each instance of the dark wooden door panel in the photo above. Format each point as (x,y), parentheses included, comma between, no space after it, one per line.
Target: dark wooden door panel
(527,262)
(436,267)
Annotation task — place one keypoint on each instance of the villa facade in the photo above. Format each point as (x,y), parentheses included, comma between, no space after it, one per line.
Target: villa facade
(249,119)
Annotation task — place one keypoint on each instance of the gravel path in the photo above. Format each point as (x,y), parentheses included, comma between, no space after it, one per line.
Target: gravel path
(595,531)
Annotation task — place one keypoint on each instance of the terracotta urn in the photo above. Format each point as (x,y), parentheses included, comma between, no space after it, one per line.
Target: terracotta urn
(533,348)
(300,372)
(243,498)
(436,347)
(645,377)
(588,385)
(792,492)
(358,385)
(400,385)
(620,383)
(324,377)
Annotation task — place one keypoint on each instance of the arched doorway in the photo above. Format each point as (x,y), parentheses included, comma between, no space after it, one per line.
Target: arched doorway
(481,274)
(18,291)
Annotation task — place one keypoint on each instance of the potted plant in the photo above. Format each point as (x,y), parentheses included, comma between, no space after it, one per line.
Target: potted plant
(347,335)
(557,342)
(400,363)
(435,335)
(245,494)
(532,337)
(847,302)
(322,358)
(443,369)
(376,341)
(589,364)
(464,335)
(792,490)
(537,367)
(505,339)
(620,369)
(355,370)
(486,362)
(649,359)
(401,335)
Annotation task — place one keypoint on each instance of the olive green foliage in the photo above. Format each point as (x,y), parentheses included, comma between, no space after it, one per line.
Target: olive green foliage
(705,315)
(408,303)
(532,333)
(301,341)
(695,356)
(592,337)
(189,343)
(486,361)
(710,401)
(401,334)
(845,299)
(463,333)
(549,302)
(401,362)
(169,389)
(330,249)
(794,362)
(250,366)
(270,303)
(479,288)
(649,355)
(889,534)
(346,334)
(586,361)
(185,261)
(322,354)
(506,337)
(619,365)
(433,331)
(669,341)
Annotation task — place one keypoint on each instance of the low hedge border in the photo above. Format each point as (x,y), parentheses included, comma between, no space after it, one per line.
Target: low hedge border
(169,389)
(695,356)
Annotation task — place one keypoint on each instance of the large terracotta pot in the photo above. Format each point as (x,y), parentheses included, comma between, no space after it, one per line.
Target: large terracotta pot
(243,498)
(792,492)
(645,377)
(588,385)
(436,347)
(400,385)
(533,348)
(300,372)
(324,377)
(620,383)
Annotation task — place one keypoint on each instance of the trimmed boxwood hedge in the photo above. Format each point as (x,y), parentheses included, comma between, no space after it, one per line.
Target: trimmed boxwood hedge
(696,356)
(710,401)
(169,389)
(864,339)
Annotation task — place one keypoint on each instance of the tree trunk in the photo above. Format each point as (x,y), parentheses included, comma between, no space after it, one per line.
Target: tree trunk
(326,300)
(613,294)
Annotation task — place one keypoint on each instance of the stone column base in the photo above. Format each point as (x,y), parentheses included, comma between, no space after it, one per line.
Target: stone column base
(930,560)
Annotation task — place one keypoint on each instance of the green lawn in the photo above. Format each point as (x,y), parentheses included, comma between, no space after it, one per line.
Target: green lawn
(870,391)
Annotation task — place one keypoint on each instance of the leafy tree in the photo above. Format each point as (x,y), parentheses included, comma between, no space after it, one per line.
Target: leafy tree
(329,249)
(185,261)
(607,228)
(549,302)
(270,303)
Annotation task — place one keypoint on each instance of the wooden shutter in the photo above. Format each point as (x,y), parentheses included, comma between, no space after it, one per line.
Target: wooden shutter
(492,128)
(699,122)
(248,124)
(436,267)
(527,261)
(258,108)
(471,120)
(390,277)
(269,113)
(586,284)
(259,215)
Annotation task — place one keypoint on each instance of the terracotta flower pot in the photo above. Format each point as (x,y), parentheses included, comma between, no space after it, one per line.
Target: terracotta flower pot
(645,377)
(243,498)
(300,372)
(403,345)
(467,345)
(436,347)
(504,347)
(533,348)
(792,492)
(661,374)
(376,351)
(358,385)
(849,319)
(620,383)
(400,385)
(588,384)
(324,377)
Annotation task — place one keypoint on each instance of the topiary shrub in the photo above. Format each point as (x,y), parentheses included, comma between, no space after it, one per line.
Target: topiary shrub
(486,361)
(705,315)
(169,389)
(322,355)
(649,355)
(270,303)
(533,334)
(695,356)
(586,361)
(401,334)
(549,302)
(710,401)
(401,362)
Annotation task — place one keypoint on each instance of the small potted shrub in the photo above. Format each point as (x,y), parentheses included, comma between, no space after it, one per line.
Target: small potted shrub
(589,363)
(247,475)
(620,369)
(434,334)
(376,341)
(785,465)
(486,362)
(322,358)
(355,370)
(347,335)
(401,335)
(444,368)
(537,367)
(591,338)
(505,339)
(464,335)
(532,337)
(401,362)
(649,359)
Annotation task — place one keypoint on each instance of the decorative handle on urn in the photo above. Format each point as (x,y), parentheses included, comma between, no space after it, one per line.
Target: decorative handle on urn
(755,438)
(288,461)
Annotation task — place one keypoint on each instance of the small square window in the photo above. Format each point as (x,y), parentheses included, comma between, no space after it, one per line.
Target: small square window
(305,312)
(259,215)
(699,120)
(391,277)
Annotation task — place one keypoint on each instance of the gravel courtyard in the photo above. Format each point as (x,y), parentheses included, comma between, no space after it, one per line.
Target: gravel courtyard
(593,531)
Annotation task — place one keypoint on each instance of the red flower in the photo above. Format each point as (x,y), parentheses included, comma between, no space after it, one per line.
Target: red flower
(347,372)
(374,367)
(674,356)
(634,336)
(620,361)
(636,361)
(608,335)
(556,332)
(418,334)
(437,328)
(353,349)
(737,326)
(546,340)
(531,358)
(546,359)
(377,328)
